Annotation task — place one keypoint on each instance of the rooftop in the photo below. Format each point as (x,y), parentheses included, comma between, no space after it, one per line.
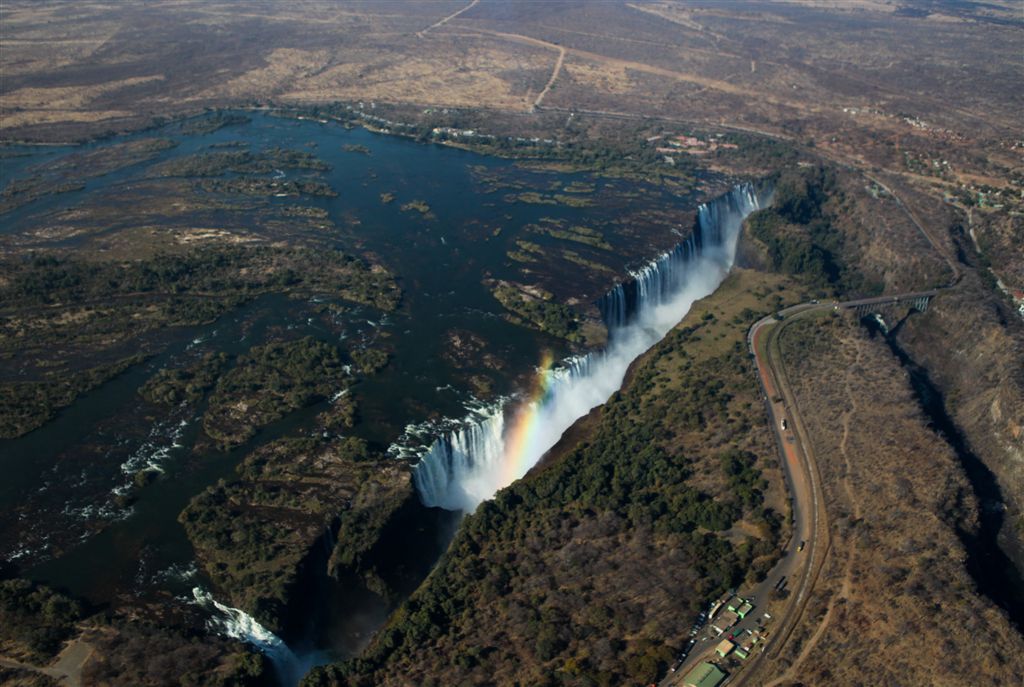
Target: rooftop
(704,675)
(725,620)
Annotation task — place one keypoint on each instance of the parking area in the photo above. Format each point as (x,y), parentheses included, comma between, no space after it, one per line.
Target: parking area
(722,639)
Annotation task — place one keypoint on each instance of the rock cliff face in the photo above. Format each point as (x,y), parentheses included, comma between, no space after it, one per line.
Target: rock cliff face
(972,345)
(264,536)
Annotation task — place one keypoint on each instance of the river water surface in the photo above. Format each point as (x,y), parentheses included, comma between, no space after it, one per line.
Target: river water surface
(60,520)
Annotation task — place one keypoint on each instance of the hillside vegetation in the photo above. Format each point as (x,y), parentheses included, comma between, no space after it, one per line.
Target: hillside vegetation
(35,620)
(840,237)
(591,569)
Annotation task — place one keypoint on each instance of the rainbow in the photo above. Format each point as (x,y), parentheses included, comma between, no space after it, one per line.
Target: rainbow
(523,436)
(498,444)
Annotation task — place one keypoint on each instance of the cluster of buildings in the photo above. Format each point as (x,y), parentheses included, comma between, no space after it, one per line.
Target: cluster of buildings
(910,120)
(691,145)
(737,643)
(736,608)
(447,132)
(740,644)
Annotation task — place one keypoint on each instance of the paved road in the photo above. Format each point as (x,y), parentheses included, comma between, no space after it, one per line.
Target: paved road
(799,567)
(807,510)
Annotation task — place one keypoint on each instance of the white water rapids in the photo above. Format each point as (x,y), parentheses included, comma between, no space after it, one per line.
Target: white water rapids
(237,624)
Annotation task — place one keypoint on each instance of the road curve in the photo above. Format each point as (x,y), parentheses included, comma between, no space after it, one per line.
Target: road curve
(810,517)
(803,481)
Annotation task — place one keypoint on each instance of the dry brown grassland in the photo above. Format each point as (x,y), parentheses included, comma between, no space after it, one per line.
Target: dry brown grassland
(895,603)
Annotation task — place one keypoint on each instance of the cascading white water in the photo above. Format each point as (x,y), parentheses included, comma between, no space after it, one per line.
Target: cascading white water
(455,470)
(494,447)
(237,624)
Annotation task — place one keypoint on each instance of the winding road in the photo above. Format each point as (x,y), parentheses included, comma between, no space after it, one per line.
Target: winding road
(799,566)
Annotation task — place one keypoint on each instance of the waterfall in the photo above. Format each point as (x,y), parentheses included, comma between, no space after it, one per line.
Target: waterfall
(491,449)
(238,624)
(453,473)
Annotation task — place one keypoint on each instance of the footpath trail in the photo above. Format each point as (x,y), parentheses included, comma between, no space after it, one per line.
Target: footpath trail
(445,20)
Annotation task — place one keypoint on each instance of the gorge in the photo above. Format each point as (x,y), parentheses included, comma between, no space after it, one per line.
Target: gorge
(502,442)
(496,444)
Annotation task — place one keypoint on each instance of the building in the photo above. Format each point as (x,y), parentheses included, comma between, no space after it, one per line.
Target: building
(745,642)
(704,675)
(745,607)
(690,141)
(725,621)
(724,647)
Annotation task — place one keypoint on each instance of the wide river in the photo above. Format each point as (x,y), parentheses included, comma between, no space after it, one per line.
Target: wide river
(445,221)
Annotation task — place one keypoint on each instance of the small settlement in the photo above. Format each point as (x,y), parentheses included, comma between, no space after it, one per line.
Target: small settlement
(689,145)
(732,620)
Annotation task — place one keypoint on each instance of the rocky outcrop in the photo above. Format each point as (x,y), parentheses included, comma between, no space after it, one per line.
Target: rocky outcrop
(972,345)
(265,536)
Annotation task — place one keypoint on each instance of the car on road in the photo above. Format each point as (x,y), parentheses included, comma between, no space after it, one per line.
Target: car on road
(801,547)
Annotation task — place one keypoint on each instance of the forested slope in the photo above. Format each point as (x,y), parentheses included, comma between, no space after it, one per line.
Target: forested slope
(591,570)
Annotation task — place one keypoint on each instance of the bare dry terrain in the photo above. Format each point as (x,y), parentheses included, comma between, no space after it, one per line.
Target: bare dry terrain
(930,91)
(786,67)
(895,603)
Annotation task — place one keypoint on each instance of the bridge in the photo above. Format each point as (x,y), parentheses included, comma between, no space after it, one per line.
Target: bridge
(802,564)
(906,301)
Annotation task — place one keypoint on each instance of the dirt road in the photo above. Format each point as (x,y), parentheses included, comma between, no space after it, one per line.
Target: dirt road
(445,20)
(551,81)
(67,669)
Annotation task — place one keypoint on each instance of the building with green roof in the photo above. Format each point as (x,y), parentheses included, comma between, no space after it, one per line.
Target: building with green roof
(704,675)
